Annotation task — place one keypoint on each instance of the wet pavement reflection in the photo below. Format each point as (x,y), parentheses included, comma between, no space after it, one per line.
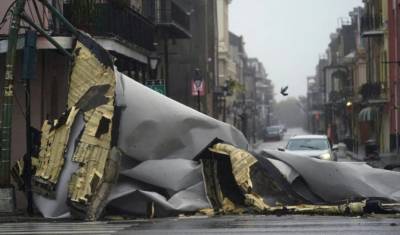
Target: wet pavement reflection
(268,224)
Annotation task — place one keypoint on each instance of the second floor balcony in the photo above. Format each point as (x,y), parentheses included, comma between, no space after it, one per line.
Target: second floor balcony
(108,20)
(372,25)
(373,92)
(340,95)
(169,16)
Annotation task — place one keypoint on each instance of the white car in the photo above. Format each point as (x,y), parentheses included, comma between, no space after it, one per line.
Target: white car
(316,146)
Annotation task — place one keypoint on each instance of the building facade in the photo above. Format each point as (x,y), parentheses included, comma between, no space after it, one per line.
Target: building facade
(394,73)
(197,53)
(359,79)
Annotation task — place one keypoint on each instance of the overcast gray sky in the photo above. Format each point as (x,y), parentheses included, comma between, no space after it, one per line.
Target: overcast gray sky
(288,36)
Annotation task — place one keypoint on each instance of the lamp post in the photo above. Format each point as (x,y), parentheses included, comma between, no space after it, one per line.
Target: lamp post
(254,113)
(153,61)
(268,114)
(198,82)
(224,95)
(235,112)
(158,85)
(248,112)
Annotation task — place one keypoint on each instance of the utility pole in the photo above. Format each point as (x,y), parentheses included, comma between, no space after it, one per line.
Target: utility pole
(28,71)
(224,109)
(166,63)
(225,92)
(7,104)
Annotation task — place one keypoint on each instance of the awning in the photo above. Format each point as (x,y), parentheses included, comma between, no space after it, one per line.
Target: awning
(368,114)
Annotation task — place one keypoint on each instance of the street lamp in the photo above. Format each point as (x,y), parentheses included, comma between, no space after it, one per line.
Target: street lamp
(153,60)
(250,111)
(198,82)
(236,109)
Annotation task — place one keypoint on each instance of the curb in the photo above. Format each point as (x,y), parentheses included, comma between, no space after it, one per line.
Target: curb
(353,156)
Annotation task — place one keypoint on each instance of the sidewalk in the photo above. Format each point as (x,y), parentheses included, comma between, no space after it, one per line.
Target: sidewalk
(20,216)
(386,160)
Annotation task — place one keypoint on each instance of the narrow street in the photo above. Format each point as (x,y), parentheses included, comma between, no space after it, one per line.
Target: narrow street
(273,144)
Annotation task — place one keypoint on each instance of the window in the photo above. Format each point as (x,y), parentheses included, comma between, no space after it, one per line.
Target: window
(308,144)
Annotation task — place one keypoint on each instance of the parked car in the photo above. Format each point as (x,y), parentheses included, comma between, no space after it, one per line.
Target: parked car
(316,146)
(283,127)
(273,132)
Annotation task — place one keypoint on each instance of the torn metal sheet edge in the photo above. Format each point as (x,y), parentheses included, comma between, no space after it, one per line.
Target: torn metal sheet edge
(256,202)
(241,162)
(54,141)
(87,190)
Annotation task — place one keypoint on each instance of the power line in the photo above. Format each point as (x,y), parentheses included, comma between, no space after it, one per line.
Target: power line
(6,14)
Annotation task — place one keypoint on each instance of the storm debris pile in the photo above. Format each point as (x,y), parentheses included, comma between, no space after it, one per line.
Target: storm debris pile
(268,184)
(122,148)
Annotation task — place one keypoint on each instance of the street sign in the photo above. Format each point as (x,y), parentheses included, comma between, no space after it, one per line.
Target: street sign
(157,85)
(317,116)
(198,86)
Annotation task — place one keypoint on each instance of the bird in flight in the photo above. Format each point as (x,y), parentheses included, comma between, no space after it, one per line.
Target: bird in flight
(284,90)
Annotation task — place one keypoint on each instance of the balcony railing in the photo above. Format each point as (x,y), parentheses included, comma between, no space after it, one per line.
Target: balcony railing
(342,95)
(336,96)
(317,106)
(108,20)
(373,91)
(169,16)
(371,23)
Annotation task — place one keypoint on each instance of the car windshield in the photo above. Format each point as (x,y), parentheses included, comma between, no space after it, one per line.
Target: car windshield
(273,129)
(308,144)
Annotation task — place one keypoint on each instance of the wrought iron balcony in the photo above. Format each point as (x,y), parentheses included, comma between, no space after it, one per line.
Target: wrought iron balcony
(371,25)
(318,106)
(373,91)
(170,17)
(105,19)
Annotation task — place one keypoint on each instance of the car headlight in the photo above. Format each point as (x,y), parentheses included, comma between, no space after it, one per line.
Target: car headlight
(325,156)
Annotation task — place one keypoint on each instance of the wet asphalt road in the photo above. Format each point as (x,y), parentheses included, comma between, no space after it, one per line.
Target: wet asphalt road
(293,224)
(269,225)
(245,224)
(275,144)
